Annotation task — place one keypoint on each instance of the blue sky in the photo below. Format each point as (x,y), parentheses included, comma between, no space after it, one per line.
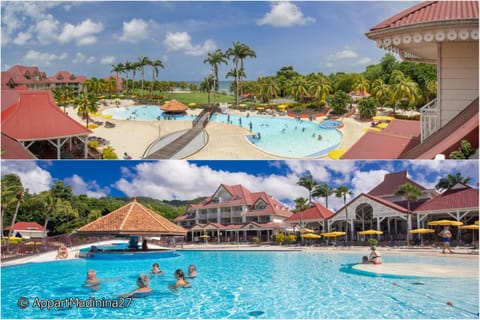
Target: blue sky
(87,37)
(185,180)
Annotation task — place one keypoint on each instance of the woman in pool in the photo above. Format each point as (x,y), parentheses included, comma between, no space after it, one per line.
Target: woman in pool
(181,283)
(143,290)
(192,271)
(156,269)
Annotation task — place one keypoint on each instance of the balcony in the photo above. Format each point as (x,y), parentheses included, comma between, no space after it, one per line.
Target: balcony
(429,119)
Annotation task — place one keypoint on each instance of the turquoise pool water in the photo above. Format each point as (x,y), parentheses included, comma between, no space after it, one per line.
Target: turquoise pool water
(245,285)
(280,136)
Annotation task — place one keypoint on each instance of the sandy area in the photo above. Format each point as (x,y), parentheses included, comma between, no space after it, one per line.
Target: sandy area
(224,141)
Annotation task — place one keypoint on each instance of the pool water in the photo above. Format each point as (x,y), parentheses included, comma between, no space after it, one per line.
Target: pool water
(280,136)
(247,284)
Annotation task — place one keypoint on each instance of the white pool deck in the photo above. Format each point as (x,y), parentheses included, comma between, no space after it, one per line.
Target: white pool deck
(398,269)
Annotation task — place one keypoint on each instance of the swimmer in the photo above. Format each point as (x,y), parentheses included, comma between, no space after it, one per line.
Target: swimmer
(181,283)
(156,269)
(192,271)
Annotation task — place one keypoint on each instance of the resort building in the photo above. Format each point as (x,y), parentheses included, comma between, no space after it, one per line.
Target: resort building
(444,33)
(313,218)
(234,212)
(27,230)
(381,209)
(32,78)
(34,125)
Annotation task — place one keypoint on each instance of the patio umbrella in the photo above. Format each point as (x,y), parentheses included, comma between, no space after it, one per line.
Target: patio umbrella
(445,223)
(421,231)
(311,236)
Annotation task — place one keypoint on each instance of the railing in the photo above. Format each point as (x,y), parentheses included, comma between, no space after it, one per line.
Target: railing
(429,119)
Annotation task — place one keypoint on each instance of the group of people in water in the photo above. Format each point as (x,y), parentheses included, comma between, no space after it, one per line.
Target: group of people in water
(143,281)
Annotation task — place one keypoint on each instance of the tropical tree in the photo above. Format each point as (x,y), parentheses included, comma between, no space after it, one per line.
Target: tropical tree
(381,91)
(323,190)
(142,63)
(301,204)
(342,192)
(367,107)
(411,193)
(308,183)
(238,52)
(451,180)
(155,64)
(215,59)
(207,85)
(86,103)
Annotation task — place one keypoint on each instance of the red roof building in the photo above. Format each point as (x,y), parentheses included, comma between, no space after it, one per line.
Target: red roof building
(34,117)
(236,205)
(28,230)
(444,33)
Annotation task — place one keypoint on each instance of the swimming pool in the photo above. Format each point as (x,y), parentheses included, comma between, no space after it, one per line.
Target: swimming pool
(279,136)
(248,284)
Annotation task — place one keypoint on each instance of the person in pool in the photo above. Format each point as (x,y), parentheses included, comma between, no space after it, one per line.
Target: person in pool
(156,269)
(143,282)
(181,283)
(192,271)
(92,281)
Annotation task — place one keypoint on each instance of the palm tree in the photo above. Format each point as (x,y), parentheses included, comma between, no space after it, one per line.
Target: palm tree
(239,52)
(342,192)
(207,85)
(214,59)
(411,193)
(155,64)
(323,190)
(142,62)
(381,91)
(301,204)
(403,89)
(451,180)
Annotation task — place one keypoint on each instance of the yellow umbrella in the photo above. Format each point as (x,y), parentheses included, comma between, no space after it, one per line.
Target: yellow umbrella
(333,234)
(311,236)
(445,223)
(383,118)
(372,129)
(421,231)
(382,125)
(336,154)
(370,232)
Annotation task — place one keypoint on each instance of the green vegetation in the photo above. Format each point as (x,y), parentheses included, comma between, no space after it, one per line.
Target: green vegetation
(63,212)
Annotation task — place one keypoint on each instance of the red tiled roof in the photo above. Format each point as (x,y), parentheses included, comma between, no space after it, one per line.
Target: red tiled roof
(35,116)
(458,197)
(12,149)
(391,182)
(316,212)
(431,11)
(132,219)
(19,226)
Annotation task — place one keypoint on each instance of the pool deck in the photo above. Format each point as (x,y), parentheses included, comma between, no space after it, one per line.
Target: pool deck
(224,141)
(397,269)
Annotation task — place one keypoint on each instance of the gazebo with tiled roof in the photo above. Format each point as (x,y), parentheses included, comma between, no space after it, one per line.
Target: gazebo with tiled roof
(132,219)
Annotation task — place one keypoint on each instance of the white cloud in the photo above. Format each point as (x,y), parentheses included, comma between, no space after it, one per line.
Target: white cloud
(107,60)
(182,41)
(284,14)
(33,57)
(33,178)
(91,188)
(345,54)
(22,38)
(82,33)
(364,61)
(81,58)
(154,179)
(135,30)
